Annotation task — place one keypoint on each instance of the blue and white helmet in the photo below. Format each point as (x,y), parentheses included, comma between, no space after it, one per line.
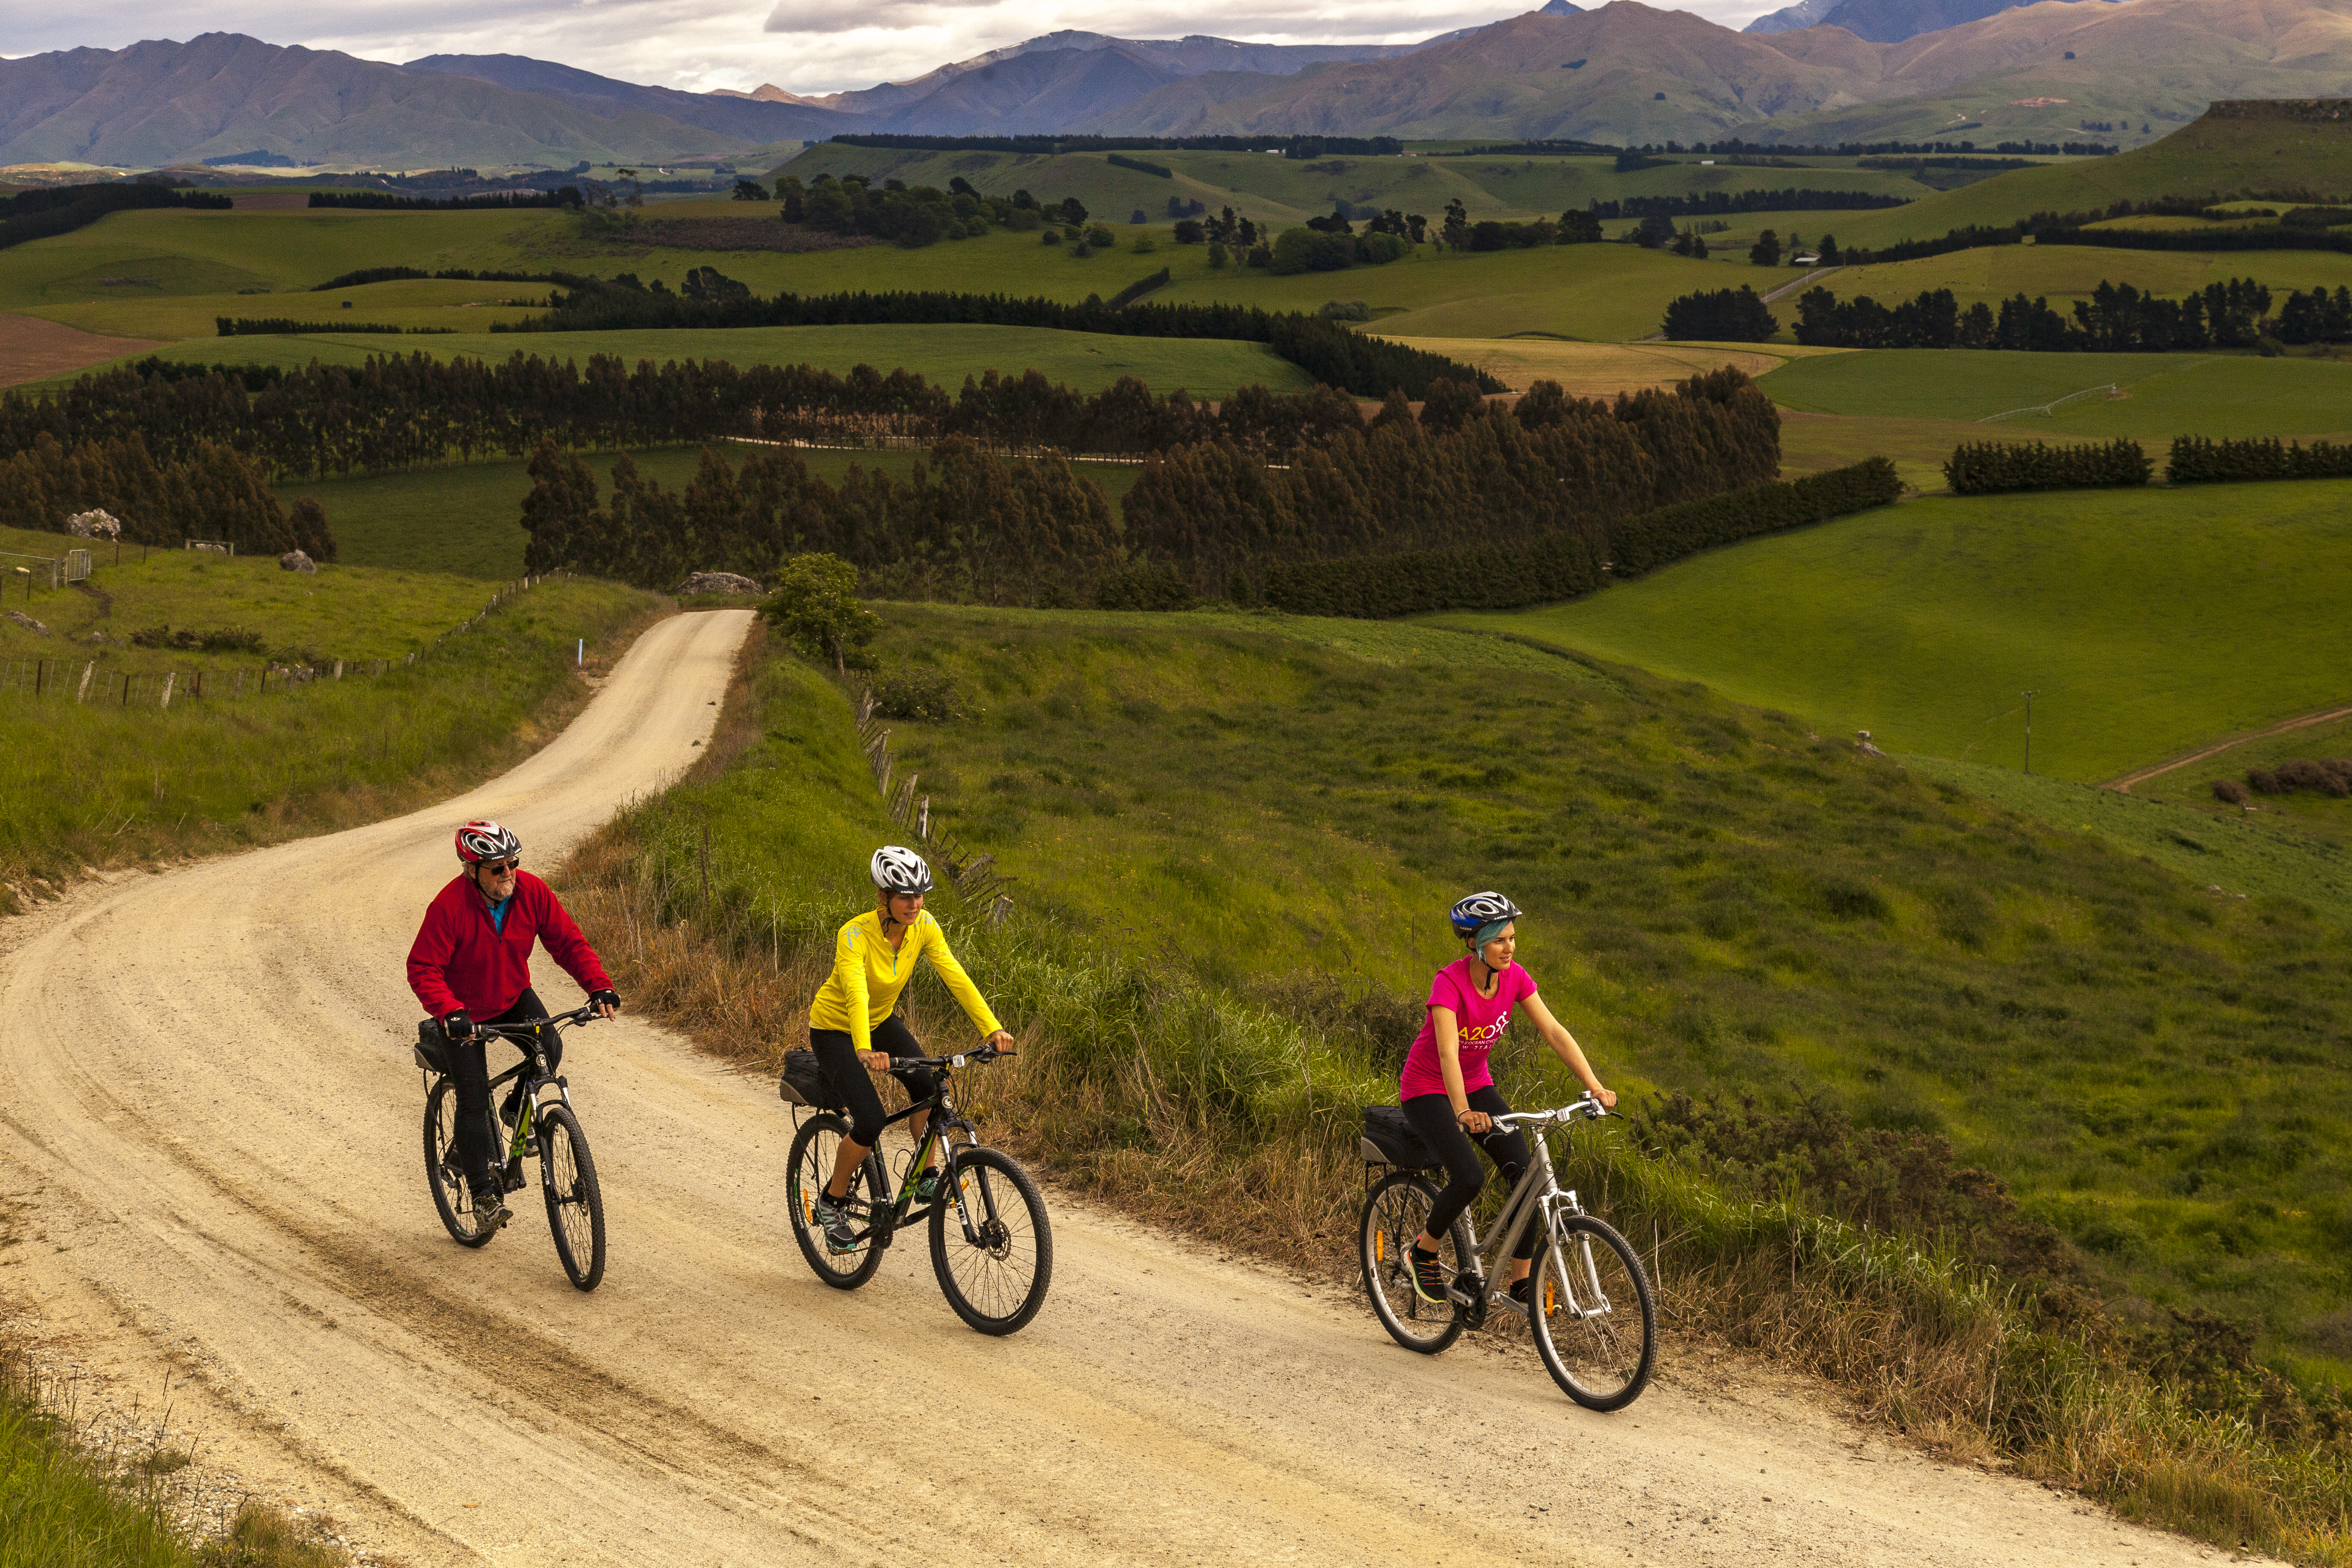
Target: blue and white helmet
(898,871)
(1480,910)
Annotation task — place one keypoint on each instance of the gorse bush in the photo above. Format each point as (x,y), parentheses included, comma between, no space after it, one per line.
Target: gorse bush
(1986,467)
(2198,459)
(1568,564)
(2321,775)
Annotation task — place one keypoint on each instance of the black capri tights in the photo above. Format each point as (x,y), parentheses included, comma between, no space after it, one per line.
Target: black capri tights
(838,1056)
(1431,1116)
(469,1070)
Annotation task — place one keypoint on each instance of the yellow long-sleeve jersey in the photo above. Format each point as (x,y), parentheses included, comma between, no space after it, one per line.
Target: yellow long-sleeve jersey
(869,973)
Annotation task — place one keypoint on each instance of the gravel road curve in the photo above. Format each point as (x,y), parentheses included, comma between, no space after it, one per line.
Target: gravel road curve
(208,1130)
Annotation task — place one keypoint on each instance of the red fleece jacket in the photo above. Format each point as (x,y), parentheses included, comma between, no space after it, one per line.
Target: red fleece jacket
(460,959)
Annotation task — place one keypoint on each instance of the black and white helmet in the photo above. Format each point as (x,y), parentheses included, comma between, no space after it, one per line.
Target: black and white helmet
(1479,910)
(896,870)
(481,840)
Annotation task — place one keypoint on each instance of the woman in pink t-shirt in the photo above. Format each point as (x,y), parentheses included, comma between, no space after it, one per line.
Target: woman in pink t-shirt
(1448,1090)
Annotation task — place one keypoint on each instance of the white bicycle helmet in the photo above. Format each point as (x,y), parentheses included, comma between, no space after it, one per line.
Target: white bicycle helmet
(483,840)
(1479,910)
(898,871)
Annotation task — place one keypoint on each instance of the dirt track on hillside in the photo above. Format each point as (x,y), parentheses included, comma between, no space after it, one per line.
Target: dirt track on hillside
(209,1127)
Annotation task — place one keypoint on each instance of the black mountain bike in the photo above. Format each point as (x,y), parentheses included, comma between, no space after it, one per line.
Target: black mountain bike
(992,1246)
(543,1124)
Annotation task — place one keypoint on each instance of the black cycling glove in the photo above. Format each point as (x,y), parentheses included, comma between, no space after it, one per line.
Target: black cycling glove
(457,1025)
(605,998)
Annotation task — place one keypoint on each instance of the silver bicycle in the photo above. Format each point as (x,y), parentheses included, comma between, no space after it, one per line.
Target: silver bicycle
(1589,1312)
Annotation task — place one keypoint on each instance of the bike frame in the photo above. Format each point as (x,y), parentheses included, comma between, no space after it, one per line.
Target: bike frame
(1537,1197)
(525,1037)
(938,1133)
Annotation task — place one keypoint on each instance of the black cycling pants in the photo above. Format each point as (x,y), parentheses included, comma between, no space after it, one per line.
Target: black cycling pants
(851,1081)
(1431,1116)
(469,1070)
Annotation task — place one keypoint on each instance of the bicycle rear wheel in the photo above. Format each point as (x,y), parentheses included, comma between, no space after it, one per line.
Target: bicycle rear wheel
(444,1172)
(575,1204)
(1591,1314)
(811,1168)
(1395,1214)
(992,1246)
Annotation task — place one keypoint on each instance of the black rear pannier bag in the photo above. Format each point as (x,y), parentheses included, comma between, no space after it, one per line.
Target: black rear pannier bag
(1388,1139)
(804,1082)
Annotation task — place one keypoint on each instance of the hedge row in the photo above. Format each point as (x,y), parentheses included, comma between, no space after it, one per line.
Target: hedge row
(1986,467)
(1573,561)
(2195,459)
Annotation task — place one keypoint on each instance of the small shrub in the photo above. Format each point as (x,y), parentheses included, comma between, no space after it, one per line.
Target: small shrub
(1345,311)
(1051,236)
(2229,792)
(1218,256)
(928,697)
(1144,245)
(2327,777)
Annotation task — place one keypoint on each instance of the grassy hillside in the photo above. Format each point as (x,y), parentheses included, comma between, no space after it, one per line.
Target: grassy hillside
(1716,901)
(2161,396)
(2146,620)
(2217,156)
(2302,814)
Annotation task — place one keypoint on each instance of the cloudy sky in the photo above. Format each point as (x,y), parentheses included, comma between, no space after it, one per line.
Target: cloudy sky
(804,45)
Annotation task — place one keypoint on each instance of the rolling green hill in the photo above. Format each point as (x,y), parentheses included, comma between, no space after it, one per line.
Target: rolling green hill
(2251,148)
(2147,620)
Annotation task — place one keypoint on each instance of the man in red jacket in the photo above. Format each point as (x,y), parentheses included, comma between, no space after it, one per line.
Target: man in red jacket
(471,962)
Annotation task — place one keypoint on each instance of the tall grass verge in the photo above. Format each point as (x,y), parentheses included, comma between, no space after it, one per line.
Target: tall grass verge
(1232,1111)
(69,1502)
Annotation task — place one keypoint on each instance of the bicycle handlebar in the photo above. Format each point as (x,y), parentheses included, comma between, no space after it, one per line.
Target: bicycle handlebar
(1586,1107)
(530,1027)
(982,1057)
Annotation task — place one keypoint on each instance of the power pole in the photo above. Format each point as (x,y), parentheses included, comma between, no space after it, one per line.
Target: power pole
(2028,730)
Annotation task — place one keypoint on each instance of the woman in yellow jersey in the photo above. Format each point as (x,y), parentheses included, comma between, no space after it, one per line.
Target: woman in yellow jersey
(853,1026)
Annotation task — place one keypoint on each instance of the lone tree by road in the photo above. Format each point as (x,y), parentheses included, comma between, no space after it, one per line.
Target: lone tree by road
(815,607)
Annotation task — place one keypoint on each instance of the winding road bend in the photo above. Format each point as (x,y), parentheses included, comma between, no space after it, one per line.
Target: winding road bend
(209,1131)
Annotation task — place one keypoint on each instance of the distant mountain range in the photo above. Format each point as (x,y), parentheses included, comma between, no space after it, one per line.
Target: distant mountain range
(1823,69)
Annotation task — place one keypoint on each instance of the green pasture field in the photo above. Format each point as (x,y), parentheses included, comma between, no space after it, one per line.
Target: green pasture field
(137,311)
(2146,620)
(2164,395)
(2303,813)
(1268,187)
(2216,157)
(1716,903)
(944,354)
(335,612)
(467,518)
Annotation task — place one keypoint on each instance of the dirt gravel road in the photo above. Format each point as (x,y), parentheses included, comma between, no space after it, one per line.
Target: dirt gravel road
(209,1131)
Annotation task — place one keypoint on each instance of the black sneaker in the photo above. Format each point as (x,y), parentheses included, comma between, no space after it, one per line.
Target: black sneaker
(1520,1287)
(928,1185)
(832,1219)
(490,1210)
(1428,1276)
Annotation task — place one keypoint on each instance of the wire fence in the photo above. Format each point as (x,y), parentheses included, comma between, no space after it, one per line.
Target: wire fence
(87,684)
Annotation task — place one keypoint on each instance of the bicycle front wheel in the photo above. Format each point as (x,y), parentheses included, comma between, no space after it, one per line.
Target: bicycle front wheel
(811,1167)
(575,1204)
(1594,1322)
(444,1171)
(992,1246)
(1394,1216)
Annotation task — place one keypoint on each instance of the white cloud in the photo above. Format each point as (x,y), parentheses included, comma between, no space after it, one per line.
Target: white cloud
(805,46)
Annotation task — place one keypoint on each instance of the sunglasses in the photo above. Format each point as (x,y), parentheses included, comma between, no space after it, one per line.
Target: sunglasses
(502,868)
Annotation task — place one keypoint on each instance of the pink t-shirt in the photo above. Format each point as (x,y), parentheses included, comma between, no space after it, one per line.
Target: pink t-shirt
(1478,1021)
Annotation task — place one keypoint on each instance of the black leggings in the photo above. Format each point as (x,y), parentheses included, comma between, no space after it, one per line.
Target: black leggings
(850,1080)
(469,1070)
(1431,1116)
